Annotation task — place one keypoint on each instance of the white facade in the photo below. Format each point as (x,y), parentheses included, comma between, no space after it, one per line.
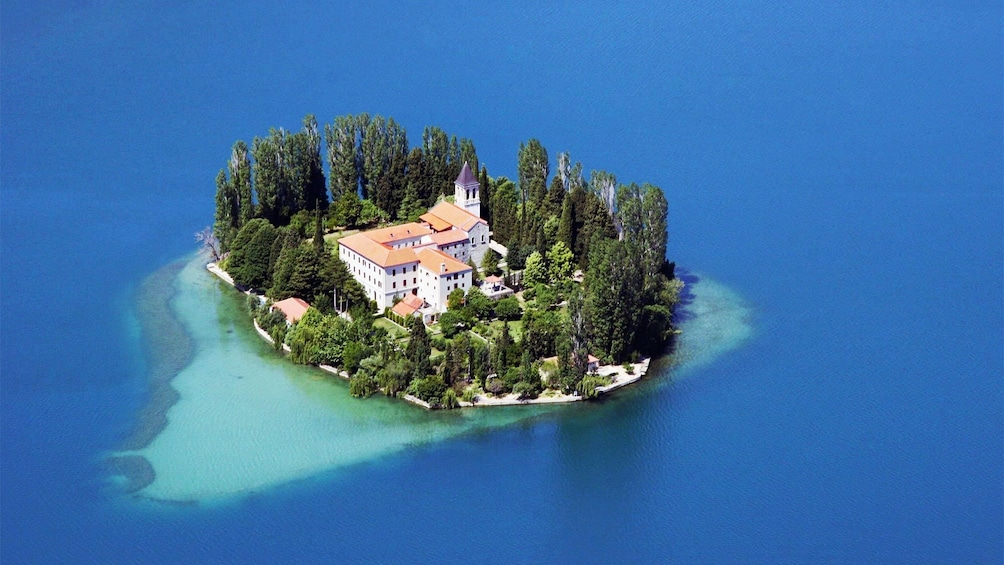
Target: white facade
(425,259)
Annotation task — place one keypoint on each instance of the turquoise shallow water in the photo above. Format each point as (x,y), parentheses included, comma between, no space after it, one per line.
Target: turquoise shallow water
(837,165)
(247,419)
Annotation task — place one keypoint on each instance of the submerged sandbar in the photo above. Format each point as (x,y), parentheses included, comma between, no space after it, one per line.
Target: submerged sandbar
(246,419)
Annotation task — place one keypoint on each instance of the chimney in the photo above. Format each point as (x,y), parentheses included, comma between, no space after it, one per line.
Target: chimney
(442,268)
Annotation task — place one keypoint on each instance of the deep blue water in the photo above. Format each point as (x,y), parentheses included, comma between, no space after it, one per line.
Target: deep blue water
(839,166)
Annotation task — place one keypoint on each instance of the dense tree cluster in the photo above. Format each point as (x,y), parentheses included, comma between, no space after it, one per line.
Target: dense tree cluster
(373,175)
(274,204)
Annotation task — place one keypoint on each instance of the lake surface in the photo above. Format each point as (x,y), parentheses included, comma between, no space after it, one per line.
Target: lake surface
(836,170)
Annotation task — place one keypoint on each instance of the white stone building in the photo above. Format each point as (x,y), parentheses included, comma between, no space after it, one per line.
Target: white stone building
(426,259)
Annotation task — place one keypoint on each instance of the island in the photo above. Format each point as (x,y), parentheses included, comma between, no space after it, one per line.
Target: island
(413,272)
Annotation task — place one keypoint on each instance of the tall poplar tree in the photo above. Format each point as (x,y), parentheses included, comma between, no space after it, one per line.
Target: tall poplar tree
(340,139)
(240,178)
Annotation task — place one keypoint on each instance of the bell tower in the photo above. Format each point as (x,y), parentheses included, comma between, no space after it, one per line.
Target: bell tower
(467,191)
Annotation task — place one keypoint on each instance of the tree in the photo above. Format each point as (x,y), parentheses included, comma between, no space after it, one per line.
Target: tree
(227,220)
(535,272)
(533,171)
(270,176)
(240,179)
(508,309)
(560,261)
(208,241)
(346,209)
(394,377)
(250,253)
(505,211)
(455,300)
(419,348)
(613,303)
(450,323)
(490,263)
(479,305)
(341,149)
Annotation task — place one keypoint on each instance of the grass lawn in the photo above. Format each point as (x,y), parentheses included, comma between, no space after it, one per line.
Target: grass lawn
(395,331)
(515,329)
(335,236)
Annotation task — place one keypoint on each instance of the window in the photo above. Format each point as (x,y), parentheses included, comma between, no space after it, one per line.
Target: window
(395,285)
(414,281)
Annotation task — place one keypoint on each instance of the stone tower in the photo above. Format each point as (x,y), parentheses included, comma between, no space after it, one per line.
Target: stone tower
(467,191)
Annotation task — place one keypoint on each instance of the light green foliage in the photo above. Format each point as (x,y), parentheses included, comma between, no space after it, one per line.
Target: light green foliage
(449,400)
(394,376)
(319,339)
(370,214)
(560,261)
(455,300)
(587,386)
(470,394)
(534,272)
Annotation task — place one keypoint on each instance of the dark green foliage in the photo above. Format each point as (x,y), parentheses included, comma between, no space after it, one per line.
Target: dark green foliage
(517,256)
(227,218)
(613,301)
(508,309)
(525,390)
(504,205)
(490,263)
(429,389)
(540,332)
(479,306)
(419,348)
(450,323)
(346,209)
(341,150)
(533,168)
(354,353)
(362,384)
(250,254)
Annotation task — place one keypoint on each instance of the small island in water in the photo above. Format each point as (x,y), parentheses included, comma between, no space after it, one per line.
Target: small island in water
(413,272)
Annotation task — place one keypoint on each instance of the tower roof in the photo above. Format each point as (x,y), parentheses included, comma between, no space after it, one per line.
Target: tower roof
(467,176)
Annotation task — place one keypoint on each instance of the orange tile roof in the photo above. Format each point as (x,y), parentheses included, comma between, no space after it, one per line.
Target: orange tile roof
(436,222)
(292,308)
(397,233)
(434,260)
(455,215)
(408,305)
(380,254)
(449,236)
